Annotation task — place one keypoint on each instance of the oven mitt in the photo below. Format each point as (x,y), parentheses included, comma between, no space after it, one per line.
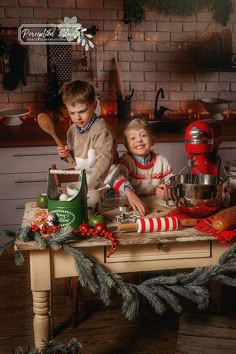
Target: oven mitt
(17,64)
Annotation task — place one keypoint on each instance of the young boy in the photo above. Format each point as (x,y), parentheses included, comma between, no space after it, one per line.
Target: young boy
(90,140)
(141,171)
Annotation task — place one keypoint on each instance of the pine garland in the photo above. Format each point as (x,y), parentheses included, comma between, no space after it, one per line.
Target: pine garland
(161,292)
(133,10)
(52,347)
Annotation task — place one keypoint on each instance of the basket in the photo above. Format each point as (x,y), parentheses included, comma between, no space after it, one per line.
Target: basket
(75,211)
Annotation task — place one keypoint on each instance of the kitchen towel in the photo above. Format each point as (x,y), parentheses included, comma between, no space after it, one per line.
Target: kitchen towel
(37,60)
(224,237)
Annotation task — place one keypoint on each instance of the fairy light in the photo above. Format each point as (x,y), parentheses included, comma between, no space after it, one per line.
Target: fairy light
(185,43)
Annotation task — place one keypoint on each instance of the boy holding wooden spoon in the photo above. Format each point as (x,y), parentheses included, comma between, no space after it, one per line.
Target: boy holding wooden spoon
(90,140)
(141,171)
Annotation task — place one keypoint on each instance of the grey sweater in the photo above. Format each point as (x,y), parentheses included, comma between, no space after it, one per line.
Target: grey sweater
(95,151)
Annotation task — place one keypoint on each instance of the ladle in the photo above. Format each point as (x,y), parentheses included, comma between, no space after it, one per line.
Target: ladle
(46,124)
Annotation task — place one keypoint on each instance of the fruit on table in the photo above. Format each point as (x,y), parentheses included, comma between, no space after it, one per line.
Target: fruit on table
(96,219)
(42,201)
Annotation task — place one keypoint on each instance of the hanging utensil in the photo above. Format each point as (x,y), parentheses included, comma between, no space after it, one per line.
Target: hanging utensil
(46,124)
(119,81)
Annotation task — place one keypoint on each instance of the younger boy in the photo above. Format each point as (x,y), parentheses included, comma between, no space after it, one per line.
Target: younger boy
(90,140)
(141,171)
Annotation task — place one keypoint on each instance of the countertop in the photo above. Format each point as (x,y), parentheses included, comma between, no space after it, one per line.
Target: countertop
(30,134)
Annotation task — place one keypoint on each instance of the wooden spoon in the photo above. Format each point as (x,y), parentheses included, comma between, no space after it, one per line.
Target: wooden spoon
(46,124)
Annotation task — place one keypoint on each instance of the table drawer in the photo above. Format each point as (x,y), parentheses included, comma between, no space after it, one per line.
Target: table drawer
(170,251)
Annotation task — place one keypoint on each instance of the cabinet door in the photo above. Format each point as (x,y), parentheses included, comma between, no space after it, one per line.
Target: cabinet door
(11,213)
(175,154)
(33,159)
(179,157)
(227,151)
(165,150)
(24,185)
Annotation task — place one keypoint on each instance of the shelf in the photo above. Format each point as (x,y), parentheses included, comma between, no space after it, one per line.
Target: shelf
(231,68)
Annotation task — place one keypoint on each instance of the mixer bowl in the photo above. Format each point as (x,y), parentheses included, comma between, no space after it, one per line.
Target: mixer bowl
(197,195)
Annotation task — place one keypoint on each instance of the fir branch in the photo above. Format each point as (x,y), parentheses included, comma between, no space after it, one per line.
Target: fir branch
(228,255)
(63,235)
(130,306)
(106,283)
(19,258)
(84,266)
(153,299)
(201,298)
(25,234)
(40,242)
(226,280)
(168,297)
(6,246)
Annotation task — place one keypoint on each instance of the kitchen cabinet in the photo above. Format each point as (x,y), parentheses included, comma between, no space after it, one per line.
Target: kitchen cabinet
(227,151)
(23,177)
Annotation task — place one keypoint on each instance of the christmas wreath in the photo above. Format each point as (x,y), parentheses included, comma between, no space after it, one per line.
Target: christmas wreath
(161,292)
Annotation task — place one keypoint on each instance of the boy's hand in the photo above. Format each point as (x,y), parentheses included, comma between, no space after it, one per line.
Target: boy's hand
(63,152)
(135,202)
(161,191)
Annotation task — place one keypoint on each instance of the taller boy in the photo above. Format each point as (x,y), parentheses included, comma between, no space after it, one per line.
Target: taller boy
(90,140)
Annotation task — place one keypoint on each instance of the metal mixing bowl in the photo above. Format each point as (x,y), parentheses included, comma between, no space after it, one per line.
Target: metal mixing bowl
(197,195)
(215,105)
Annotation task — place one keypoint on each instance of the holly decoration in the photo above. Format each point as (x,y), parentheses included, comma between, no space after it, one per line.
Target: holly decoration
(86,230)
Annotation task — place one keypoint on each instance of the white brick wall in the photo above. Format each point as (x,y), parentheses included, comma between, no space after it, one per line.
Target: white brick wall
(158,55)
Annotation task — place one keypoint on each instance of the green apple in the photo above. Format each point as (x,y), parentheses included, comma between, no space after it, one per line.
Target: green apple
(42,201)
(96,219)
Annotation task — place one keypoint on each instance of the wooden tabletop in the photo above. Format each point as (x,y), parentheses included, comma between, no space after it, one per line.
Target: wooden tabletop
(184,234)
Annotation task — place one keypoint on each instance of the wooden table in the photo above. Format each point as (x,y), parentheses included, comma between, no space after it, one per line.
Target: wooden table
(185,248)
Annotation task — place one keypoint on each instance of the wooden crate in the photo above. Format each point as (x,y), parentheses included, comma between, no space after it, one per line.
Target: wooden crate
(206,334)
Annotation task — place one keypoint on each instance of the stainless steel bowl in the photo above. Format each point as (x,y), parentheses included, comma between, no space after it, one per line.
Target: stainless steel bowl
(215,105)
(197,195)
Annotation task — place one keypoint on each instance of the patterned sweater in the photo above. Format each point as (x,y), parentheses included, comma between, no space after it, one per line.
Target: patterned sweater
(144,178)
(94,151)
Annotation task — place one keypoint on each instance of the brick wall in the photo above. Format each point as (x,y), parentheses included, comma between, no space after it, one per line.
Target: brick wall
(158,55)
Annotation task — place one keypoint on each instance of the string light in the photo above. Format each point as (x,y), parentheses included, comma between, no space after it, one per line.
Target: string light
(184,43)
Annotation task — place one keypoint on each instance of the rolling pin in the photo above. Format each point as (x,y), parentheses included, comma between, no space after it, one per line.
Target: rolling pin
(167,223)
(119,81)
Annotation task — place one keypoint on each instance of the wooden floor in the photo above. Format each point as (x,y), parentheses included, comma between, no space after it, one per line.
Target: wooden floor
(104,331)
(218,335)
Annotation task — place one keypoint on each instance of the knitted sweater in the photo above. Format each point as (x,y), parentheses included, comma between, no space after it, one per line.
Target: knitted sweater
(94,151)
(143,178)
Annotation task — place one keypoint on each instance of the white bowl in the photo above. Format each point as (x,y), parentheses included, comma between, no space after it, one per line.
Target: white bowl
(73,189)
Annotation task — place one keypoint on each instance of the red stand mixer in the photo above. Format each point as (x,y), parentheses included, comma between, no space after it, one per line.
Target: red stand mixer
(202,139)
(199,190)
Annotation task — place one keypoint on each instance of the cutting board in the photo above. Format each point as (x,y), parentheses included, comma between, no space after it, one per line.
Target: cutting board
(153,205)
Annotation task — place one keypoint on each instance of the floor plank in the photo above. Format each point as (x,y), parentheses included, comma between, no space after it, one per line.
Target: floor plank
(206,334)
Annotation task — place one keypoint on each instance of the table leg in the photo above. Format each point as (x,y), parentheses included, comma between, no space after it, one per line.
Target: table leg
(41,317)
(40,274)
